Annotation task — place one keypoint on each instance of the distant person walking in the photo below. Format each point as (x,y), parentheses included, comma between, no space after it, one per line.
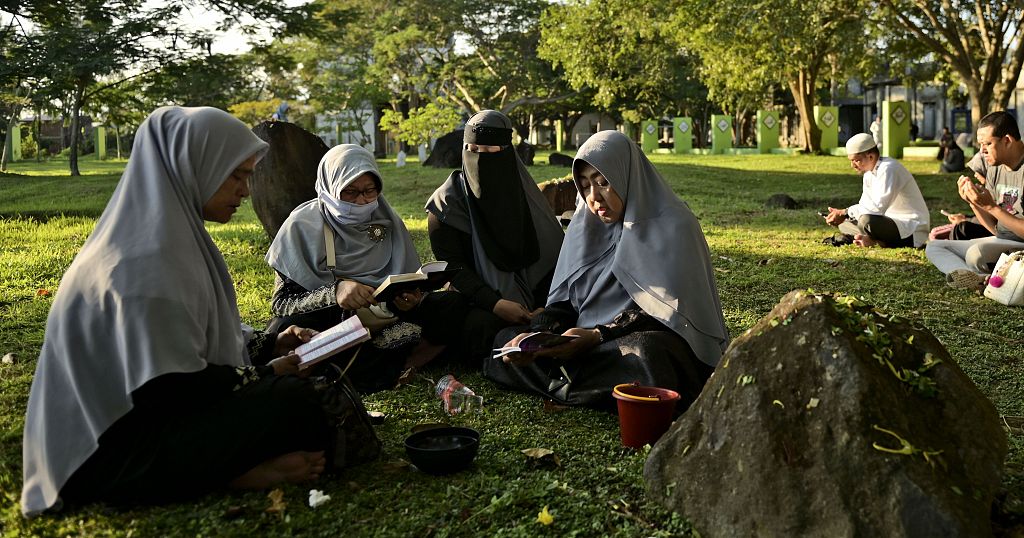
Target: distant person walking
(876,131)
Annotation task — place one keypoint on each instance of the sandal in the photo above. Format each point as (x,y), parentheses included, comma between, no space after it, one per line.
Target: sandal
(838,239)
(966,280)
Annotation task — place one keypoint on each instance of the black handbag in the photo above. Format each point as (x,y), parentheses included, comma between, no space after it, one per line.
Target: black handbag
(353,440)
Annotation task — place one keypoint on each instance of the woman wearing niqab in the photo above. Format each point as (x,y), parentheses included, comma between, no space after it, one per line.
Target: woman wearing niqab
(633,282)
(491,219)
(148,388)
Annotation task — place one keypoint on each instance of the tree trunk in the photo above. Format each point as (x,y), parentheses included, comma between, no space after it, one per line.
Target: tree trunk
(117,140)
(37,128)
(980,101)
(11,123)
(76,110)
(802,87)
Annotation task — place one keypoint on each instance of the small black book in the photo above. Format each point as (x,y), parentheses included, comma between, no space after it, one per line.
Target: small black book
(431,276)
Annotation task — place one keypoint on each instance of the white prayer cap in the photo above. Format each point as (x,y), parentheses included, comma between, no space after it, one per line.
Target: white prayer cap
(859,143)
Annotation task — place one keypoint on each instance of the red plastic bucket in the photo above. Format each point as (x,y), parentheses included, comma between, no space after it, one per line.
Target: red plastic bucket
(645,413)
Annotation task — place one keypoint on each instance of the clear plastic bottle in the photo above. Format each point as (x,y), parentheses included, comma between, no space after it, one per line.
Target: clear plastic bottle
(457,398)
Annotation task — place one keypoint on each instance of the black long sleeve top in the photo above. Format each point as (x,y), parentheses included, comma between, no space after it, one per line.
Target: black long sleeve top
(456,247)
(190,390)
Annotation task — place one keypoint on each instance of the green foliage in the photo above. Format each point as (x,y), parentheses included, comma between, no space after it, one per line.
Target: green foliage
(620,48)
(978,40)
(29,147)
(746,52)
(209,80)
(431,121)
(253,112)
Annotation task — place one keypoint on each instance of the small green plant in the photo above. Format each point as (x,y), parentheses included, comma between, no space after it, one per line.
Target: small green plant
(430,121)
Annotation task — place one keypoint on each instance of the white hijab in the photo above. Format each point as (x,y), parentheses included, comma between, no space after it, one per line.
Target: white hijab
(149,294)
(655,256)
(299,252)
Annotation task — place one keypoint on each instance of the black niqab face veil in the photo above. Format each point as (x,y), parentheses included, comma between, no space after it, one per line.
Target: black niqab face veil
(495,193)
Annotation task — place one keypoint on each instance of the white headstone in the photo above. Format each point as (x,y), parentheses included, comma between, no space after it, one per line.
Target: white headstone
(400,161)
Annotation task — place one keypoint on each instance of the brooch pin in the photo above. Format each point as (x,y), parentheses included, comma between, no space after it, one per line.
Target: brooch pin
(376,233)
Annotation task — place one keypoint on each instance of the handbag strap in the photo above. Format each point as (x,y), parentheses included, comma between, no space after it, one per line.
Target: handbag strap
(329,243)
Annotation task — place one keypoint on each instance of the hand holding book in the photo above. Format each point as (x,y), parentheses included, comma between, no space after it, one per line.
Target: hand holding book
(431,276)
(526,347)
(347,334)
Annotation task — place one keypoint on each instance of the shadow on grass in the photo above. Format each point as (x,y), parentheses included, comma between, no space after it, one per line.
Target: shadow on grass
(46,215)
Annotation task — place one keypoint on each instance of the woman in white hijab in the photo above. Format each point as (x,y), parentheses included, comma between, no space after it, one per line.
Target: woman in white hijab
(146,389)
(331,254)
(491,219)
(633,282)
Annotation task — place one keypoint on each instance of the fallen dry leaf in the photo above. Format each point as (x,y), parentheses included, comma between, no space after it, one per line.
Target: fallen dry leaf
(538,452)
(550,406)
(277,503)
(233,512)
(394,466)
(428,426)
(408,376)
(542,455)
(9,358)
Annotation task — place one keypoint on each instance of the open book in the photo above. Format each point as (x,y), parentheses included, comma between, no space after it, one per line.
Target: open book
(431,276)
(342,336)
(533,343)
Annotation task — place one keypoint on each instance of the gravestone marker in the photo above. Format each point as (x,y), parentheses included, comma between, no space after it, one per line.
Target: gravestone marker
(285,177)
(682,135)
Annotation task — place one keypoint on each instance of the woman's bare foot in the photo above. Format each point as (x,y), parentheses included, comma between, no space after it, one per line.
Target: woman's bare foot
(293,467)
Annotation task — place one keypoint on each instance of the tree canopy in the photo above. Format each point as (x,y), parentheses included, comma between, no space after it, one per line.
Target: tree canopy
(980,40)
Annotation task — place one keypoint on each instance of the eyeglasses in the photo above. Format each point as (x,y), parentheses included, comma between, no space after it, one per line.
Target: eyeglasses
(351,195)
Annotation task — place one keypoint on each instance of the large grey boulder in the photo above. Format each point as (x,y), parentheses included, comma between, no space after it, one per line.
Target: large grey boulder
(285,177)
(828,418)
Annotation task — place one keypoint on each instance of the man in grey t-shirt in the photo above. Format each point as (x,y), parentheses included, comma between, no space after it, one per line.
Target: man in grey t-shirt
(997,205)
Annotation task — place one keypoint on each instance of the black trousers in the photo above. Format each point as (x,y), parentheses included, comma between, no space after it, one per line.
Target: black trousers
(879,228)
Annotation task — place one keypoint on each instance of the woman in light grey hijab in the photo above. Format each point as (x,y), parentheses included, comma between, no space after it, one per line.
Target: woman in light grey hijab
(331,254)
(146,389)
(634,282)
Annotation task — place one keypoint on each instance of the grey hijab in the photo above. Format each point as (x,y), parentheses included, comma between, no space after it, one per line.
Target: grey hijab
(455,204)
(149,294)
(656,255)
(299,252)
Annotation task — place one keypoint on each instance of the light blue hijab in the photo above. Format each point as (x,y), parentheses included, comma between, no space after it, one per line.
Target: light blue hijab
(299,251)
(656,256)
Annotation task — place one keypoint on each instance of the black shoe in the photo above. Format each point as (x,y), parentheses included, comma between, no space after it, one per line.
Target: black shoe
(838,239)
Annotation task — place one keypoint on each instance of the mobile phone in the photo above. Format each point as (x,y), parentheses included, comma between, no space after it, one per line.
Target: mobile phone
(823,212)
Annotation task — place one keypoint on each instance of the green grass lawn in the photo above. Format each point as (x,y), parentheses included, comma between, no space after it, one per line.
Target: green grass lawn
(597,488)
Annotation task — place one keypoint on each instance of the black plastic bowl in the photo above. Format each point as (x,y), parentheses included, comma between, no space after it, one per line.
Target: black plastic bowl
(442,450)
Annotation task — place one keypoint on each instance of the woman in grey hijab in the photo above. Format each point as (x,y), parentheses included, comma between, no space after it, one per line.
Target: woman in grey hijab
(148,387)
(491,219)
(633,282)
(331,254)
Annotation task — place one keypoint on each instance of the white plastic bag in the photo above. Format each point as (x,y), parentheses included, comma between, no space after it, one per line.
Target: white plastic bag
(1006,285)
